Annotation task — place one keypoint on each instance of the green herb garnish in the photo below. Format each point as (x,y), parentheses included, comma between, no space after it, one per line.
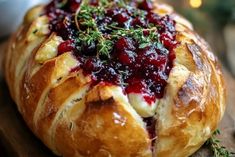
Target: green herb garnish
(215,146)
(84,18)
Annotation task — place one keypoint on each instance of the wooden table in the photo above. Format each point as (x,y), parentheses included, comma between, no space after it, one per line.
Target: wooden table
(20,142)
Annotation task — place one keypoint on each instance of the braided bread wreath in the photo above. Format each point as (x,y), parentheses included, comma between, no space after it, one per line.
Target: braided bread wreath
(122,79)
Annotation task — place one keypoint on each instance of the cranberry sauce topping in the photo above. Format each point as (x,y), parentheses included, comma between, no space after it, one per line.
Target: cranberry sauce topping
(126,45)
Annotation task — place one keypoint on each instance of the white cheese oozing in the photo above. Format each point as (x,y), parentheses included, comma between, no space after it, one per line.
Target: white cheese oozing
(142,107)
(48,50)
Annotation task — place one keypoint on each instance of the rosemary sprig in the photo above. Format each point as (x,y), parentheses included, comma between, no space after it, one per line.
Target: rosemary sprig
(215,146)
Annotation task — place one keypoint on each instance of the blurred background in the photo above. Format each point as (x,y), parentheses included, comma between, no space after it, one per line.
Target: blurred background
(12,12)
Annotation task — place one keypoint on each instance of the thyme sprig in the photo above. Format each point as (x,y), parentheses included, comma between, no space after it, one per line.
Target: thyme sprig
(92,34)
(138,35)
(85,18)
(215,146)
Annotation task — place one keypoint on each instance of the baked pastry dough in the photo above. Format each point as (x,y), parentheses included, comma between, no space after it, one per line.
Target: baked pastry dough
(74,118)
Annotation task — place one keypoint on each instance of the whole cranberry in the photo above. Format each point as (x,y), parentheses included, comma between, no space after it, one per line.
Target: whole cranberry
(146,54)
(126,57)
(146,32)
(146,5)
(124,43)
(167,40)
(91,65)
(153,18)
(138,22)
(74,4)
(62,27)
(121,18)
(112,12)
(66,46)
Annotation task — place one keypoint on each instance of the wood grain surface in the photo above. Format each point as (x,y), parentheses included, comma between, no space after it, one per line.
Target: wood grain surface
(18,141)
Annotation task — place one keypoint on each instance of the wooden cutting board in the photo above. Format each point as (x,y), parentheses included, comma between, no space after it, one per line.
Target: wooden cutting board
(20,142)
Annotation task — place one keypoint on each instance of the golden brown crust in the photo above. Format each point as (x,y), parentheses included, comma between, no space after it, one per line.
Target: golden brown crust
(75,120)
(195,98)
(106,127)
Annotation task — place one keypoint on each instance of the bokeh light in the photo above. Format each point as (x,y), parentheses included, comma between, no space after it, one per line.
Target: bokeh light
(195,3)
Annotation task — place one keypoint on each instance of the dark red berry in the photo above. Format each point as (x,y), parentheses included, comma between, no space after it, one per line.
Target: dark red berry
(146,54)
(124,43)
(146,5)
(65,46)
(159,61)
(92,65)
(112,12)
(74,4)
(126,57)
(146,32)
(153,18)
(121,18)
(138,22)
(62,27)
(167,40)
